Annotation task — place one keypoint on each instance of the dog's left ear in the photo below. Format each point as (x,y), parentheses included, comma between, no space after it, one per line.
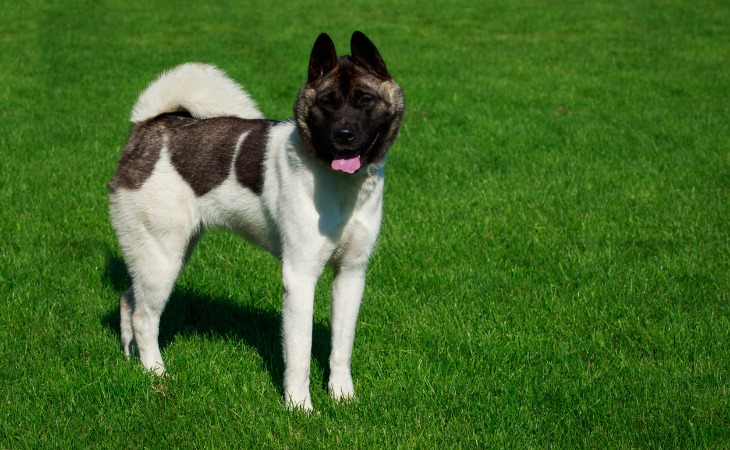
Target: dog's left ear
(365,54)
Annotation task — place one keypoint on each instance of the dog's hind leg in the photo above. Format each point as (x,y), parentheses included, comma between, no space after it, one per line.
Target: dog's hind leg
(126,307)
(153,281)
(154,260)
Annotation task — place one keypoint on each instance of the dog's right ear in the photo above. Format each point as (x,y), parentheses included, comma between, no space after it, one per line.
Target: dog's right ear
(323,58)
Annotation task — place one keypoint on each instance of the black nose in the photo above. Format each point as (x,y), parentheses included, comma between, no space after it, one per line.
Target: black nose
(344,136)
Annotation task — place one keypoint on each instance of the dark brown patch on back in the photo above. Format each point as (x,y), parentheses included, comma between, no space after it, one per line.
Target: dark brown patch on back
(201,151)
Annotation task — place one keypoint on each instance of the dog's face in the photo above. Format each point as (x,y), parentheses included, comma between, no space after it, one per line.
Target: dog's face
(350,109)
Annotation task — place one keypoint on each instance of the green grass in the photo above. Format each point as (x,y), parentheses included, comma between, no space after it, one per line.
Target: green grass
(554,263)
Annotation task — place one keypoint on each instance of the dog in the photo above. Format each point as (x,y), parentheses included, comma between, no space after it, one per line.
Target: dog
(200,155)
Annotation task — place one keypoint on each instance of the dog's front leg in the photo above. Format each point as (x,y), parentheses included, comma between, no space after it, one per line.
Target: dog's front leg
(347,290)
(298,315)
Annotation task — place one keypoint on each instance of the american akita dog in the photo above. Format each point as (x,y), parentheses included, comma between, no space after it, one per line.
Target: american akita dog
(308,190)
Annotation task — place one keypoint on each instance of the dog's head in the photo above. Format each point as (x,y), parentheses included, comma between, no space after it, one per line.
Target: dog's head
(350,109)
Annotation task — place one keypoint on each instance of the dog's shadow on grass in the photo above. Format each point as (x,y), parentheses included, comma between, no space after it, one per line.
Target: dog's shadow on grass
(188,312)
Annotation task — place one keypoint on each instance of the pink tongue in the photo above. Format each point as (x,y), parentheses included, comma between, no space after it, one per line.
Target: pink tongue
(348,165)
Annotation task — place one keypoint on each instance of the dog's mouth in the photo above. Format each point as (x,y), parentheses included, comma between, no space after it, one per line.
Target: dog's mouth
(347,161)
(350,161)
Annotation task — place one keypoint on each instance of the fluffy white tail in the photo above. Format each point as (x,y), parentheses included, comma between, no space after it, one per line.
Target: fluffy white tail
(202,90)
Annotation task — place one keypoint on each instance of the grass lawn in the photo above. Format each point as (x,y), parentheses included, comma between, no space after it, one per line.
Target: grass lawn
(554,263)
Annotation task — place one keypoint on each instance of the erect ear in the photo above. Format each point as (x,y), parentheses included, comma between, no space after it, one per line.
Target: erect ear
(323,58)
(365,54)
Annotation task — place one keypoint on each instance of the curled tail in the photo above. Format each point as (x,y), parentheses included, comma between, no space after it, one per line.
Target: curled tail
(202,90)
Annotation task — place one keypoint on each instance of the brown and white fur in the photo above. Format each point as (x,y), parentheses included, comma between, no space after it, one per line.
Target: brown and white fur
(201,156)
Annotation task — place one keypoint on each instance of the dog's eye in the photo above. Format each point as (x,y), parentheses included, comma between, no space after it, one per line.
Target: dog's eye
(365,100)
(328,102)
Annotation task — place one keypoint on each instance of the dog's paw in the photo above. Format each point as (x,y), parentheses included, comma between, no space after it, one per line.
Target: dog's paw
(304,405)
(341,387)
(156,369)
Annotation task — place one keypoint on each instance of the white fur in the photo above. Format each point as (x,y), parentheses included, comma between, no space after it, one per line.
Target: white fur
(308,215)
(201,89)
